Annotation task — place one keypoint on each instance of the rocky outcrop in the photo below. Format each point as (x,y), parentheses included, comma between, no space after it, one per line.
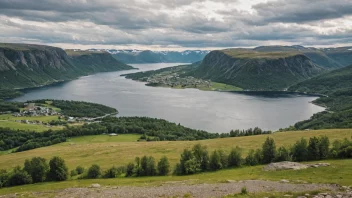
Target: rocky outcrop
(257,71)
(286,165)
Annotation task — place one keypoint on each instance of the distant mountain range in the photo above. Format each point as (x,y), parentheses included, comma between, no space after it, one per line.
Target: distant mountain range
(24,65)
(148,56)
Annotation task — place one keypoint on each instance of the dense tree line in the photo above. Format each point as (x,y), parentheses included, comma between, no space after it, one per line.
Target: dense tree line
(151,129)
(34,171)
(198,158)
(10,106)
(6,93)
(192,161)
(79,108)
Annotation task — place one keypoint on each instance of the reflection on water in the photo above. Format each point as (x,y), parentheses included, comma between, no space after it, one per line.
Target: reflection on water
(207,110)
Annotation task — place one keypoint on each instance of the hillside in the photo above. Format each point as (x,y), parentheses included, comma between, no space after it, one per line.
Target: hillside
(253,70)
(337,85)
(331,58)
(93,62)
(148,56)
(107,151)
(27,65)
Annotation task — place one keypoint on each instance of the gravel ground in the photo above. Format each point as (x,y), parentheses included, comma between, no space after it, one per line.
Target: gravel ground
(180,190)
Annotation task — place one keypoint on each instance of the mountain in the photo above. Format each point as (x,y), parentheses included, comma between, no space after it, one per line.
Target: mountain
(337,85)
(148,56)
(26,65)
(331,58)
(93,62)
(255,70)
(328,83)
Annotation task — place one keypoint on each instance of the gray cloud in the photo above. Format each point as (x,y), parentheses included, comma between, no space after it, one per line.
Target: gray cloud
(185,23)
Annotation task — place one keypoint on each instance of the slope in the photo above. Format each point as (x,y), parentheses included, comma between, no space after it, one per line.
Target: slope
(254,70)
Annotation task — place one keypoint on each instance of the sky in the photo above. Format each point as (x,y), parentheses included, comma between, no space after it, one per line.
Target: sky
(176,24)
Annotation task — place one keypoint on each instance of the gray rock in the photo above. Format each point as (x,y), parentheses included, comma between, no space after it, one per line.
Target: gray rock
(95,186)
(284,166)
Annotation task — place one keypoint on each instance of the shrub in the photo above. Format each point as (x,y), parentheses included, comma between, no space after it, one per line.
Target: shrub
(215,161)
(283,154)
(234,159)
(313,149)
(269,150)
(251,159)
(4,177)
(223,158)
(37,168)
(244,190)
(112,172)
(73,173)
(201,156)
(19,177)
(58,169)
(79,170)
(163,166)
(324,147)
(130,169)
(300,150)
(94,172)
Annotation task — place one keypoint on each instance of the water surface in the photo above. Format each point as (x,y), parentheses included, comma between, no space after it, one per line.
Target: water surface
(207,110)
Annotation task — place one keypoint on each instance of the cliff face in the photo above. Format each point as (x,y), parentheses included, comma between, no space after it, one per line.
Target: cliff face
(23,65)
(257,71)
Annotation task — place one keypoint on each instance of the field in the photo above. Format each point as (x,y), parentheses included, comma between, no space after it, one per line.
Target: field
(7,120)
(248,53)
(108,151)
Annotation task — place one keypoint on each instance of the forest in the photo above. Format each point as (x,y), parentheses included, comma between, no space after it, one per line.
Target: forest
(150,129)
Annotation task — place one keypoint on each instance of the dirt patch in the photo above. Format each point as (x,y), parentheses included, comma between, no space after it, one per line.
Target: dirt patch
(197,190)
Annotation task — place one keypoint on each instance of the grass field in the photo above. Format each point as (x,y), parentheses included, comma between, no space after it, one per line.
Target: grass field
(108,151)
(340,172)
(7,120)
(31,127)
(119,150)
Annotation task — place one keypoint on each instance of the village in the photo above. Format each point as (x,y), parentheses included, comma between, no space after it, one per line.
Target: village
(32,110)
(173,80)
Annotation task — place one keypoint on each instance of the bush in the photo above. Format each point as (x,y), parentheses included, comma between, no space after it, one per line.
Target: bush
(188,164)
(234,159)
(112,172)
(215,161)
(94,172)
(251,159)
(223,158)
(201,156)
(79,170)
(19,177)
(300,150)
(37,168)
(269,150)
(244,191)
(313,149)
(163,166)
(58,169)
(283,154)
(129,169)
(73,173)
(324,147)
(4,177)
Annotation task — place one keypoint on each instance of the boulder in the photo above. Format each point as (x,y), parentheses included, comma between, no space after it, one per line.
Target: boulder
(95,186)
(284,166)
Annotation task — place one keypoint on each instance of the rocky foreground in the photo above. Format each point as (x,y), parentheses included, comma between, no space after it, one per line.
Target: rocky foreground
(181,189)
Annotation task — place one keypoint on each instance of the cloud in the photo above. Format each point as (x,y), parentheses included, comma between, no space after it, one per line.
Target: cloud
(176,23)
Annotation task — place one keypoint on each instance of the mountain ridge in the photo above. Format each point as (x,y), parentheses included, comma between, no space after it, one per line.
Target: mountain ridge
(27,65)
